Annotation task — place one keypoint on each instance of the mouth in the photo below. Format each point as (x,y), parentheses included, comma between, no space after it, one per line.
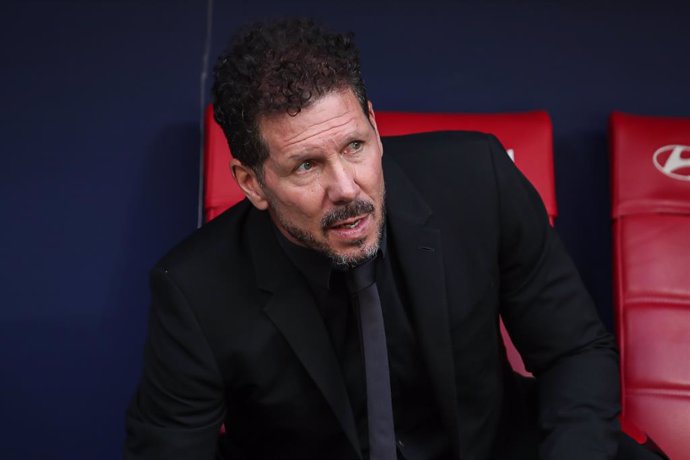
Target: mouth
(354,228)
(347,215)
(350,223)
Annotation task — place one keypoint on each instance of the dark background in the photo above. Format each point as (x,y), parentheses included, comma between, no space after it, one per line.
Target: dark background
(100,106)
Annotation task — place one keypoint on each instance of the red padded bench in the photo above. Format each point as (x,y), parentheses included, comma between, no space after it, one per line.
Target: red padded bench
(650,159)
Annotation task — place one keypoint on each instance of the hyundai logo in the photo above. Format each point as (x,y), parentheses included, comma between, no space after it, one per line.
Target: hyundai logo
(673,161)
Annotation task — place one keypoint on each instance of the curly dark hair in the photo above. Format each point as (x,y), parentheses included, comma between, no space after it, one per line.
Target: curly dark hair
(280,67)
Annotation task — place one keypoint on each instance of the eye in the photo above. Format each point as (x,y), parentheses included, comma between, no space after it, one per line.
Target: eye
(305,166)
(355,146)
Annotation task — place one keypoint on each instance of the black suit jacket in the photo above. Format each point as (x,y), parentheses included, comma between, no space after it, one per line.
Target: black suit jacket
(235,336)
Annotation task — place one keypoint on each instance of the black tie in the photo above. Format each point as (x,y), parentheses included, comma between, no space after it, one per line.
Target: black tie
(362,286)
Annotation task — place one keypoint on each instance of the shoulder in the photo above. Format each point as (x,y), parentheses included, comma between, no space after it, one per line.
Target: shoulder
(449,154)
(439,144)
(445,165)
(218,243)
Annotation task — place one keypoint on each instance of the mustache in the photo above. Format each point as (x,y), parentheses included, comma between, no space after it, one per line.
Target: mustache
(353,209)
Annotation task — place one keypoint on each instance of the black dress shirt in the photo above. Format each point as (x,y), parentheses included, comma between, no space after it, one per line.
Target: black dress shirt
(419,432)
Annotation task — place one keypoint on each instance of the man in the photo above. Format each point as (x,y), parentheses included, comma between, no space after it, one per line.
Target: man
(257,321)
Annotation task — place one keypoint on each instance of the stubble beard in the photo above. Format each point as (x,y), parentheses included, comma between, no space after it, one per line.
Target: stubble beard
(339,261)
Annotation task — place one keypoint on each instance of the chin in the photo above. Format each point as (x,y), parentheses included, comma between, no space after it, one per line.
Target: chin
(344,260)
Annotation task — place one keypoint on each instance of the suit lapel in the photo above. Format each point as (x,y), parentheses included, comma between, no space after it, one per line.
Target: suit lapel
(418,246)
(293,311)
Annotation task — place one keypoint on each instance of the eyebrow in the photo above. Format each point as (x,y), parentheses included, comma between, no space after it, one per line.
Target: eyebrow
(313,152)
(303,154)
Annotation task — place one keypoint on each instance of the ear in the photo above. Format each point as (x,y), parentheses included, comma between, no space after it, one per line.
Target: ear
(372,120)
(249,183)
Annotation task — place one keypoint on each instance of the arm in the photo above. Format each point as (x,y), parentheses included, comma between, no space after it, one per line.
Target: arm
(178,408)
(554,324)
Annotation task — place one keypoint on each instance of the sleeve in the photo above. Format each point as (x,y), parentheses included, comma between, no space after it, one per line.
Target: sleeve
(555,326)
(178,408)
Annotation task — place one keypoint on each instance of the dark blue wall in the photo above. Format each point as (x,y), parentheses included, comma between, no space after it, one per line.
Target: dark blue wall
(99,136)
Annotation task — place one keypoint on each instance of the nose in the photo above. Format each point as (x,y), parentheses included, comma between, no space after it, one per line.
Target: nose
(342,186)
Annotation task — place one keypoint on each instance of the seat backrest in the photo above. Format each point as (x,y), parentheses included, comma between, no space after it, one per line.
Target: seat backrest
(650,159)
(527,137)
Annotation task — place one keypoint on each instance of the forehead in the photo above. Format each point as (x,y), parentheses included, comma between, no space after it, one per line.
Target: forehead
(326,121)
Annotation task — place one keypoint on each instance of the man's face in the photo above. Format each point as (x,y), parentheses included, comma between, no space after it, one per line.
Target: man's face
(323,180)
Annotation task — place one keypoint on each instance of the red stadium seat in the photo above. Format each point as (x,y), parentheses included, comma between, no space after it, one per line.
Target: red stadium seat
(650,159)
(527,136)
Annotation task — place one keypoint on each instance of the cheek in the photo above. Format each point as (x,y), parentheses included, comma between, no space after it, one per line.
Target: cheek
(372,180)
(304,203)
